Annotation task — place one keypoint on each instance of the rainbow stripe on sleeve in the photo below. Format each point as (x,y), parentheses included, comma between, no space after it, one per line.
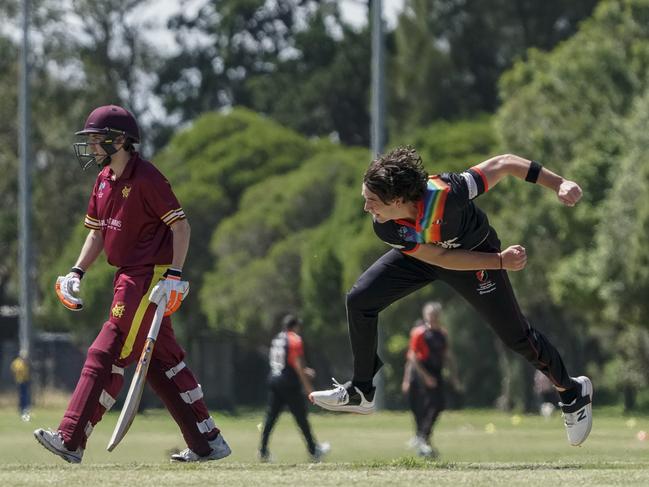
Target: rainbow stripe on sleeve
(431,212)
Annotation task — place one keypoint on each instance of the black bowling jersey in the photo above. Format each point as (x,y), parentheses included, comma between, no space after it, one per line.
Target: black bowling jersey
(447,215)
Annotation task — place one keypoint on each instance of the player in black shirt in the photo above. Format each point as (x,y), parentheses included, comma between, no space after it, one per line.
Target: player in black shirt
(288,382)
(438,233)
(423,382)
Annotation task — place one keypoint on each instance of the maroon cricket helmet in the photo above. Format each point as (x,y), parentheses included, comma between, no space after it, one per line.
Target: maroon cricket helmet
(110,119)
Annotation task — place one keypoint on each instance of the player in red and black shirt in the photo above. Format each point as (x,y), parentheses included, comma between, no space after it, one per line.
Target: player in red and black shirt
(428,353)
(438,233)
(134,217)
(288,382)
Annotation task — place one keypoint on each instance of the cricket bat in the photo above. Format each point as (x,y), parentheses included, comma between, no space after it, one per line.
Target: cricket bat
(132,402)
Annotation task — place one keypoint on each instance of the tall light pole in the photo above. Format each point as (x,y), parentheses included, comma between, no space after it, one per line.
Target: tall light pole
(24,189)
(377,129)
(378,74)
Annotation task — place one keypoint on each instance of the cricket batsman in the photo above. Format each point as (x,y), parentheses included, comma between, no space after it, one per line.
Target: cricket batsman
(135,218)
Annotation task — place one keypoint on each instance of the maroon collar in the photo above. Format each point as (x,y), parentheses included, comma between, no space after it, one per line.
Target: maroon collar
(107,172)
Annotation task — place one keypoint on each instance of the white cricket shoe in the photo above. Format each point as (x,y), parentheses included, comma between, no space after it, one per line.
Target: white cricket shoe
(220,449)
(53,441)
(264,456)
(578,415)
(321,449)
(344,397)
(414,442)
(425,450)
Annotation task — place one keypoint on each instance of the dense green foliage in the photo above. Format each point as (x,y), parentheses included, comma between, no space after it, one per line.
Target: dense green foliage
(452,53)
(9,167)
(582,109)
(447,53)
(296,61)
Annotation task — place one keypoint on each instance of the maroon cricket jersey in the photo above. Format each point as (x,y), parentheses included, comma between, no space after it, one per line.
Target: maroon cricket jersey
(133,214)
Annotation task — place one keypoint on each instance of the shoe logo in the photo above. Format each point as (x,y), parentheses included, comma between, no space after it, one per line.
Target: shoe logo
(581,415)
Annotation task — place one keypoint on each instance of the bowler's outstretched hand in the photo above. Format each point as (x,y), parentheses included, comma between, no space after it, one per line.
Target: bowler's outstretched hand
(569,193)
(514,258)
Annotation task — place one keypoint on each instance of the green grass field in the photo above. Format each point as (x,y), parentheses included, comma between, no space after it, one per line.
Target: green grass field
(484,448)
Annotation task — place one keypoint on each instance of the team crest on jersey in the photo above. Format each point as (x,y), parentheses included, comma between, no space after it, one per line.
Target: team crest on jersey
(126,190)
(485,285)
(118,310)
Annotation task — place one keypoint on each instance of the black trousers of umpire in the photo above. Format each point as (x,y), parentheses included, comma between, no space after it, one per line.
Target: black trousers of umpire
(396,275)
(426,404)
(280,395)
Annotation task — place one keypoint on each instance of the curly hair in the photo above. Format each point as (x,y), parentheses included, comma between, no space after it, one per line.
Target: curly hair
(397,174)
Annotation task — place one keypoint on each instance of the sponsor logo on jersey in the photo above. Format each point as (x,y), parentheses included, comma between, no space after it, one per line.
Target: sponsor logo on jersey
(111,223)
(114,223)
(448,244)
(118,310)
(126,190)
(485,285)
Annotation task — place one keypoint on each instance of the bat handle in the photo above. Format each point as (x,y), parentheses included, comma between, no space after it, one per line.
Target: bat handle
(157,320)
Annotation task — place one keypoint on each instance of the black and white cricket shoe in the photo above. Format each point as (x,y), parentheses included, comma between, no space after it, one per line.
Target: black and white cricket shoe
(321,450)
(220,449)
(425,450)
(53,441)
(578,415)
(344,397)
(264,456)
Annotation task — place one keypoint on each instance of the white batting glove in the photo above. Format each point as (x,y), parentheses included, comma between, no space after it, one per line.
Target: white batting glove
(170,290)
(67,289)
